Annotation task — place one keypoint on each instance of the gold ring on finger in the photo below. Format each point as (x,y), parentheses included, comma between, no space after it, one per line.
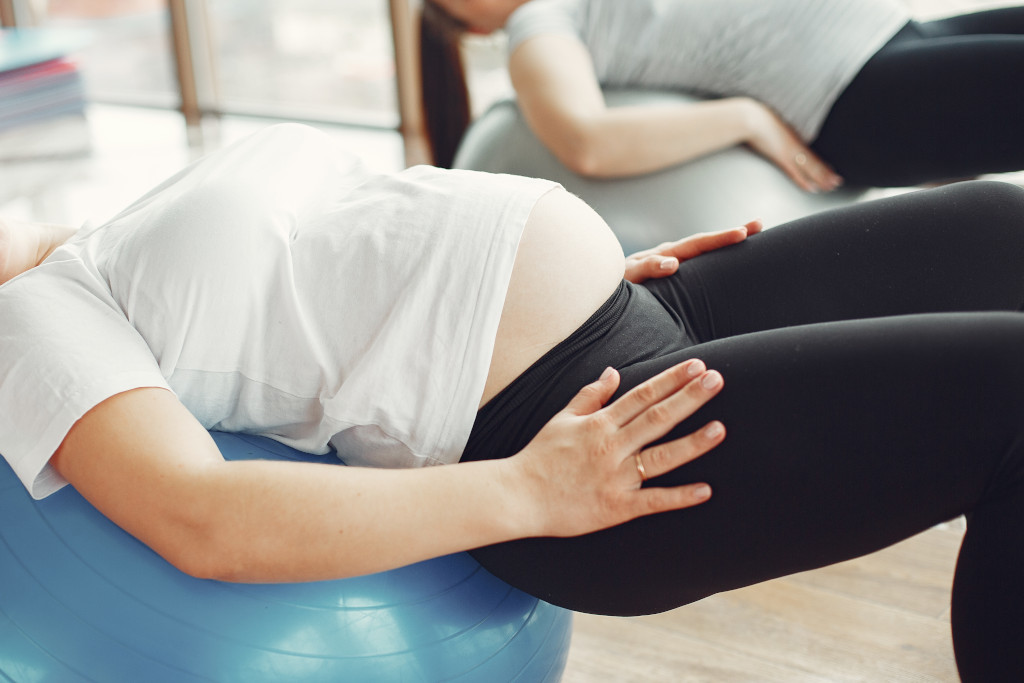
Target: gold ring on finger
(640,468)
(800,159)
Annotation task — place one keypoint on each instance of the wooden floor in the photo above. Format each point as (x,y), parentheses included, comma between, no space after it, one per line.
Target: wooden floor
(884,617)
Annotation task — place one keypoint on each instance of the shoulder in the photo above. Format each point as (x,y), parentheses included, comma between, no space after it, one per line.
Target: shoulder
(545,17)
(66,347)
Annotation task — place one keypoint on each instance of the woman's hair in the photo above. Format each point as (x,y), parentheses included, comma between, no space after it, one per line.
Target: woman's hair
(446,111)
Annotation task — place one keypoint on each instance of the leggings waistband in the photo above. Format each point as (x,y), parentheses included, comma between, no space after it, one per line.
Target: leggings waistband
(631,325)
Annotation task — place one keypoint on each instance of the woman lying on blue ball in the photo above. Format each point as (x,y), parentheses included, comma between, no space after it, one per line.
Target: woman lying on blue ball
(469,344)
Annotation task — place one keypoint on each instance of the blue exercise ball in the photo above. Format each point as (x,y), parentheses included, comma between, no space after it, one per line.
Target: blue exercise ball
(82,600)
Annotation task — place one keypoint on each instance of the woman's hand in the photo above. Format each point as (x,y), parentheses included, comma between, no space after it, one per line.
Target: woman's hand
(771,137)
(584,469)
(664,259)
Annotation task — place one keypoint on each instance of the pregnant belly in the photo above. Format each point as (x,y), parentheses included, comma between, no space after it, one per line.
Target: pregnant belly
(568,264)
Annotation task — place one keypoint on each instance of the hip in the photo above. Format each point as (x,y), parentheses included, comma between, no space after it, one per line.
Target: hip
(632,326)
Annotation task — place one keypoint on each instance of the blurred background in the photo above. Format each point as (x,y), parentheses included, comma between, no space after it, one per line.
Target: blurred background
(168,79)
(317,59)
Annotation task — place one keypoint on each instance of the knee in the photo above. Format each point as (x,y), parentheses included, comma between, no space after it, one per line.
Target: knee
(988,212)
(993,198)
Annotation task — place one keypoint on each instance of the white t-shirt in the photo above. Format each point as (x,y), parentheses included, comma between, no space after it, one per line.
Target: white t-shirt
(797,56)
(278,288)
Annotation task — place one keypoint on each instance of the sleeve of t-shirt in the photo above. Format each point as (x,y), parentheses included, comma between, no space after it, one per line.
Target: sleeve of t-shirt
(65,347)
(542,17)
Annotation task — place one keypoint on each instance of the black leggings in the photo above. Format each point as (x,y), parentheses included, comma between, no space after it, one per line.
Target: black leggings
(874,386)
(944,99)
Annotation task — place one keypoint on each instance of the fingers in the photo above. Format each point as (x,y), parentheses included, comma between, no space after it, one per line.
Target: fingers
(779,143)
(794,169)
(593,396)
(649,410)
(656,499)
(810,172)
(664,457)
(664,259)
(774,138)
(654,421)
(660,399)
(707,241)
(644,396)
(641,269)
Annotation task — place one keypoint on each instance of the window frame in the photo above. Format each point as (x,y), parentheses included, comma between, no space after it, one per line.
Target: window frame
(195,69)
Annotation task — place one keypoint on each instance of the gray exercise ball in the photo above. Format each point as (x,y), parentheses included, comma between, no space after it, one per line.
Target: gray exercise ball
(721,190)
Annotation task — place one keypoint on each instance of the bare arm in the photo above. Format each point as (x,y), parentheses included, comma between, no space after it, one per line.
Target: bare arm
(24,245)
(149,466)
(561,100)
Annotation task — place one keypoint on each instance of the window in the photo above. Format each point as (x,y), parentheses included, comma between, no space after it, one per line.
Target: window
(300,59)
(314,59)
(128,58)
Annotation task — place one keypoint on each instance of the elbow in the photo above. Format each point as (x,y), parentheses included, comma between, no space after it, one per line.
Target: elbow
(196,566)
(584,162)
(199,559)
(582,148)
(213,564)
(218,569)
(583,155)
(201,551)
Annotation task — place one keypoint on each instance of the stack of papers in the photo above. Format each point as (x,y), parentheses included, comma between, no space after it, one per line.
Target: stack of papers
(40,85)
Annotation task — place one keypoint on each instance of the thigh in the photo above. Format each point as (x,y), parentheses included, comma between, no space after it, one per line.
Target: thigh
(955,248)
(931,107)
(842,438)
(1005,20)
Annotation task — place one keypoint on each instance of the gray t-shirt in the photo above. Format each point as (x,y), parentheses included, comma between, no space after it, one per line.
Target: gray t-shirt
(796,56)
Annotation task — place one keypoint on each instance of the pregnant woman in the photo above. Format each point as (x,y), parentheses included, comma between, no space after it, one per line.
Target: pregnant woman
(468,345)
(828,90)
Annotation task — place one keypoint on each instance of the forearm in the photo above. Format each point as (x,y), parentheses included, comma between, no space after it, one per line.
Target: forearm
(625,141)
(150,467)
(562,101)
(146,463)
(274,521)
